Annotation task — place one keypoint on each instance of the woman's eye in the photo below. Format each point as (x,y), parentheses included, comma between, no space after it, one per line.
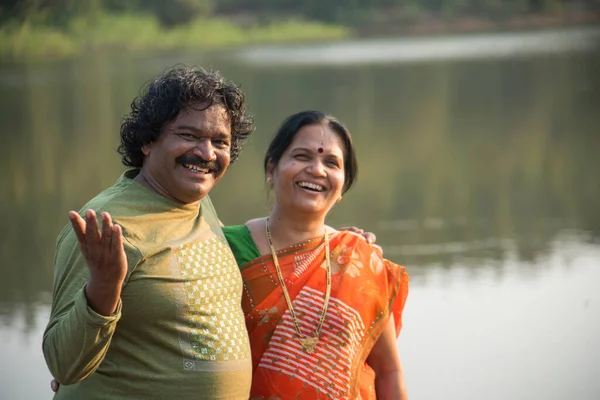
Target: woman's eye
(301,157)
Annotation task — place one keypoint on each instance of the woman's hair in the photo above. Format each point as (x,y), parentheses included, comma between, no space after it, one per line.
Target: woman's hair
(163,99)
(287,131)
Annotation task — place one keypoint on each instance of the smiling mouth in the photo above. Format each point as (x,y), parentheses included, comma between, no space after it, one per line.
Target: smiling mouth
(196,168)
(313,187)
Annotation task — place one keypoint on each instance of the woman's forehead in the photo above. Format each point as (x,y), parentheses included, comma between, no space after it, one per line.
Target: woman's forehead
(315,137)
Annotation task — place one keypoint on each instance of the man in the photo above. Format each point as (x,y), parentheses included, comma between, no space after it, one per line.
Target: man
(149,307)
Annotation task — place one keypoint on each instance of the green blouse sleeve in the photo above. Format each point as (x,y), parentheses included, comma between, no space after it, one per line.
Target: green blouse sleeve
(241,243)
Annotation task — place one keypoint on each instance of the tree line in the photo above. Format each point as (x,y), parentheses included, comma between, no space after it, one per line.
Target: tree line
(175,12)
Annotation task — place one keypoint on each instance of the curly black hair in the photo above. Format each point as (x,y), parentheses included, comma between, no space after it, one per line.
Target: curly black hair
(178,88)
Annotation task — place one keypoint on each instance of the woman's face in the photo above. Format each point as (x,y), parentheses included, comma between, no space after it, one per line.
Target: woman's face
(310,174)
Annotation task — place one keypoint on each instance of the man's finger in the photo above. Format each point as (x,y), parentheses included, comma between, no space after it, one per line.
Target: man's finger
(91,229)
(369,237)
(117,239)
(107,231)
(78,225)
(54,385)
(352,229)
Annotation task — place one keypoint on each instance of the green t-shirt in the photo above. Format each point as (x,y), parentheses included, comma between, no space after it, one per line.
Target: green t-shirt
(179,331)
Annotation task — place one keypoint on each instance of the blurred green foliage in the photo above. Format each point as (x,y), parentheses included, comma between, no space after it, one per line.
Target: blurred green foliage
(174,12)
(31,29)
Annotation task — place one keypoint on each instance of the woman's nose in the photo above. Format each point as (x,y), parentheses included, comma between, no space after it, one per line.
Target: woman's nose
(317,169)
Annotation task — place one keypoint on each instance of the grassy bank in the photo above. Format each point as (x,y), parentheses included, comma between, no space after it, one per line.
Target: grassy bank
(35,40)
(403,24)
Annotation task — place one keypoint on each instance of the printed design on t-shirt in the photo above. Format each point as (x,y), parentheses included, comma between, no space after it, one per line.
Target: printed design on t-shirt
(212,287)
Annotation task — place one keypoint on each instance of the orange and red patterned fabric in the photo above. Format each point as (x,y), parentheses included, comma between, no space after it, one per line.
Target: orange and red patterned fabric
(366,291)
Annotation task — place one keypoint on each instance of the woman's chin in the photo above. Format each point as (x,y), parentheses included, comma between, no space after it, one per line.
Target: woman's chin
(315,208)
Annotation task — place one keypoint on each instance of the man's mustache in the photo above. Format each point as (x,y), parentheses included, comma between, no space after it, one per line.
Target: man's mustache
(192,159)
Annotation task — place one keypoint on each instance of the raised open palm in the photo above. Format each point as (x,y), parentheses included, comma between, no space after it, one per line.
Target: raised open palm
(105,257)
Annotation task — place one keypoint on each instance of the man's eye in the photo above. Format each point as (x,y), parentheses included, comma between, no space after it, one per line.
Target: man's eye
(187,136)
(221,143)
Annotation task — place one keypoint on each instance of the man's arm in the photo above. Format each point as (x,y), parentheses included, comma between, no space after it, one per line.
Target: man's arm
(90,268)
(368,236)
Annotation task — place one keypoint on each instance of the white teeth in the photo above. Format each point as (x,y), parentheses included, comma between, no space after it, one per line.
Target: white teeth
(195,168)
(310,185)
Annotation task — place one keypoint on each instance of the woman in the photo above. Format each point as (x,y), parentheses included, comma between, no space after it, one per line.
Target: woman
(323,308)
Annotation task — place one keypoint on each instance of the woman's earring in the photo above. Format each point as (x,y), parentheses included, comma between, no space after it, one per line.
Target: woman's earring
(339,199)
(270,180)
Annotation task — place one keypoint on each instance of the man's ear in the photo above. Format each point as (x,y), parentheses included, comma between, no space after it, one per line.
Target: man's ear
(146,149)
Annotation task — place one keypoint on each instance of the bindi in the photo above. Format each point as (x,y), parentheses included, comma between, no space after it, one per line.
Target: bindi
(320,149)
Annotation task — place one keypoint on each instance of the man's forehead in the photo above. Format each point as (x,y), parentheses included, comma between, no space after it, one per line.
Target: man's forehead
(205,106)
(202,105)
(213,111)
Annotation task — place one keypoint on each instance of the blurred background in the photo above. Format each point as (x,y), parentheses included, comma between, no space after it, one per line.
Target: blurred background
(477,125)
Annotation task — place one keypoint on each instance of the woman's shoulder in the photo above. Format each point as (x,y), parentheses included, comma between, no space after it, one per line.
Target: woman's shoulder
(361,247)
(348,237)
(255,224)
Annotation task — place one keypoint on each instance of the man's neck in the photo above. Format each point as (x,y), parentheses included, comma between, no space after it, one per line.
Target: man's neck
(150,184)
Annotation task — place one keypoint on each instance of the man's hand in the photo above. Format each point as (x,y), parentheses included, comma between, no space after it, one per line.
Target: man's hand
(369,236)
(105,257)
(54,385)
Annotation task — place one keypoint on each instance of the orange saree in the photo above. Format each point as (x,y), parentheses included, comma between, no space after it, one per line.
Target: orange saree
(366,290)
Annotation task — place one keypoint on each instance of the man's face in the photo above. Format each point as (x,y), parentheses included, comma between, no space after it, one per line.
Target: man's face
(191,154)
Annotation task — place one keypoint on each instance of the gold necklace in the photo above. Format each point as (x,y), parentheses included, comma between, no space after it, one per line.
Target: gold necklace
(308,343)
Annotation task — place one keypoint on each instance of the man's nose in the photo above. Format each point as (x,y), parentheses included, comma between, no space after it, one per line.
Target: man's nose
(205,150)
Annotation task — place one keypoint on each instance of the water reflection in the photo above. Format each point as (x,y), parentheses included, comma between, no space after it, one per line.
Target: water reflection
(480,175)
(428,48)
(471,154)
(511,331)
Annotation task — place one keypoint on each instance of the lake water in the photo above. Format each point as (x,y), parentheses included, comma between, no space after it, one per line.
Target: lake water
(479,171)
